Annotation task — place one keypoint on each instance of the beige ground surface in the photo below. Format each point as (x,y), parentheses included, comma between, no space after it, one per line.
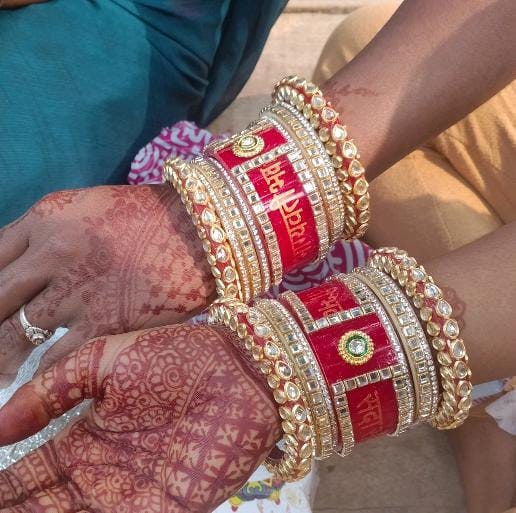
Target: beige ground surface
(413,474)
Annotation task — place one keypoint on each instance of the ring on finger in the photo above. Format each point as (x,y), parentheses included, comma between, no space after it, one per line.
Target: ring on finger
(34,334)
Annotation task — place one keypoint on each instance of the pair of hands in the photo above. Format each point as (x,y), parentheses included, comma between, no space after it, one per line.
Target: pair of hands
(177,423)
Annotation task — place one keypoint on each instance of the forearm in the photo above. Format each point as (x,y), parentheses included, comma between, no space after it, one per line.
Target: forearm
(432,64)
(482,275)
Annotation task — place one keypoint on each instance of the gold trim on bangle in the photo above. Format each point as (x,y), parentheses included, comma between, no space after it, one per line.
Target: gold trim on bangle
(184,179)
(412,336)
(307,367)
(281,378)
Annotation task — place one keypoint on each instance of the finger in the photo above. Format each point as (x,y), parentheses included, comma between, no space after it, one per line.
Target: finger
(35,472)
(63,498)
(14,241)
(67,344)
(20,281)
(14,343)
(49,395)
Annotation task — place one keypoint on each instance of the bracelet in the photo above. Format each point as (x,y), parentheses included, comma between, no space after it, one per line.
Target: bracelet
(403,386)
(276,196)
(360,358)
(308,99)
(314,385)
(441,327)
(260,343)
(208,224)
(412,336)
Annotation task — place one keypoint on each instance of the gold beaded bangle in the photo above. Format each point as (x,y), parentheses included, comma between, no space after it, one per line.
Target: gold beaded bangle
(260,342)
(192,192)
(236,228)
(311,377)
(441,327)
(308,99)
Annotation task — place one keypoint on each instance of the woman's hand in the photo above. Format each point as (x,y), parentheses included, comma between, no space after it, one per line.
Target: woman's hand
(99,261)
(177,425)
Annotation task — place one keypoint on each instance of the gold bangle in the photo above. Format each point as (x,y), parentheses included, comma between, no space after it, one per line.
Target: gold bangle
(399,373)
(441,327)
(259,341)
(307,368)
(412,336)
(317,166)
(308,99)
(182,176)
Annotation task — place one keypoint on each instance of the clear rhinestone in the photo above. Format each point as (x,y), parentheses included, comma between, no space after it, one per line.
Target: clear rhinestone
(317,102)
(284,370)
(355,169)
(299,413)
(229,274)
(292,391)
(443,308)
(432,291)
(349,150)
(271,350)
(418,274)
(433,329)
(262,331)
(460,369)
(324,134)
(273,381)
(217,234)
(464,388)
(190,184)
(221,254)
(338,132)
(328,114)
(426,313)
(208,216)
(200,197)
(279,396)
(438,344)
(451,328)
(360,186)
(457,349)
(444,358)
(357,346)
(253,317)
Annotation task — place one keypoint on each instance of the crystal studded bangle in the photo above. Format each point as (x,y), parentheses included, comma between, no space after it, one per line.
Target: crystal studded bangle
(412,336)
(442,330)
(280,193)
(199,204)
(309,100)
(312,380)
(259,341)
(360,358)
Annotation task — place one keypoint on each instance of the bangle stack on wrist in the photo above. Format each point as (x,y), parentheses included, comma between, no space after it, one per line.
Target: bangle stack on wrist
(275,197)
(351,359)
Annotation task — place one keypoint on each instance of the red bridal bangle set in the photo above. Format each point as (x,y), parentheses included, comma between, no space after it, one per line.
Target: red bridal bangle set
(275,197)
(368,353)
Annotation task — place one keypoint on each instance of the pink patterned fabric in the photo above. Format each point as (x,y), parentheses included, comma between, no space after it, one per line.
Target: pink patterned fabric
(187,140)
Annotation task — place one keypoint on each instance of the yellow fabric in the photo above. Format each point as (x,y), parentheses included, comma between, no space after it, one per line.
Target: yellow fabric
(459,186)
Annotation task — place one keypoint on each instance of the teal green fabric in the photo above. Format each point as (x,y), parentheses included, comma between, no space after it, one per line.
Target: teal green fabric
(85,83)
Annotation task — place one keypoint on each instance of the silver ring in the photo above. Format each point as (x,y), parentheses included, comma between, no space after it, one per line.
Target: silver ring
(34,334)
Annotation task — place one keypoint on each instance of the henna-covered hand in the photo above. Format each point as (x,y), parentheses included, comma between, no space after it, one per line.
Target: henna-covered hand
(99,261)
(177,425)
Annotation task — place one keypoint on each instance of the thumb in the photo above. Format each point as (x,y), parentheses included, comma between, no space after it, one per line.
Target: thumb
(75,378)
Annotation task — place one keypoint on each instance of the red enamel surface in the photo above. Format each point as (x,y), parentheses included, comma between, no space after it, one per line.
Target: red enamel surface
(328,298)
(291,217)
(373,410)
(272,138)
(325,346)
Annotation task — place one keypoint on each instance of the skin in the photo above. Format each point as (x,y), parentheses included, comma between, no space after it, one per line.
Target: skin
(177,425)
(99,261)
